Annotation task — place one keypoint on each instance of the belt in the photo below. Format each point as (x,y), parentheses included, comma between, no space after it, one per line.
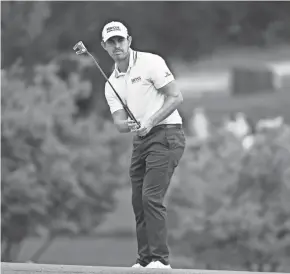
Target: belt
(178,126)
(159,127)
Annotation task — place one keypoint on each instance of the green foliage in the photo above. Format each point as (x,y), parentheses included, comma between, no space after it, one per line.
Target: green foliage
(37,32)
(59,173)
(237,24)
(232,207)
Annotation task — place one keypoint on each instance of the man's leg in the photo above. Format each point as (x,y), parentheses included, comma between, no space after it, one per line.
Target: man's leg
(137,172)
(164,151)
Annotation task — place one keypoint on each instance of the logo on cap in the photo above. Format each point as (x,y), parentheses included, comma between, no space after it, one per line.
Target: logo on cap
(114,28)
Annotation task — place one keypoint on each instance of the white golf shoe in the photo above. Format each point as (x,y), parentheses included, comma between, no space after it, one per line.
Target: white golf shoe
(137,266)
(158,264)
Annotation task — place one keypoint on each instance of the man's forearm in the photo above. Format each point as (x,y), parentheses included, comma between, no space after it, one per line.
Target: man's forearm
(122,126)
(170,105)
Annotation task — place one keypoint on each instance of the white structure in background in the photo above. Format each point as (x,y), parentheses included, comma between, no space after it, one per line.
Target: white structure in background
(230,124)
(270,123)
(200,124)
(240,128)
(281,74)
(248,141)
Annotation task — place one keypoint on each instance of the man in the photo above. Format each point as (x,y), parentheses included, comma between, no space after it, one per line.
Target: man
(145,83)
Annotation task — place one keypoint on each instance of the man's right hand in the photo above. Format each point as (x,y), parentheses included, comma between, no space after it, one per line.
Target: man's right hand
(133,126)
(123,122)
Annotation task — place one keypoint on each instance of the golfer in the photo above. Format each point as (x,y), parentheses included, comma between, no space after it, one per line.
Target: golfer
(145,83)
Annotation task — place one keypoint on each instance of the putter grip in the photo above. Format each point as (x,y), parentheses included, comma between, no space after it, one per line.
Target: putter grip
(131,115)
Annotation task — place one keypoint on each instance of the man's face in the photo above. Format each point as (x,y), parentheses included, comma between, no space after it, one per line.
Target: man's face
(118,47)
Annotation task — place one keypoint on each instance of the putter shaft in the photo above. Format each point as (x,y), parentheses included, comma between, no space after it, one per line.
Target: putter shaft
(82,49)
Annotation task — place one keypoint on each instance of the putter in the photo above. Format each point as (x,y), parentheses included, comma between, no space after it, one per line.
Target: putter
(81,49)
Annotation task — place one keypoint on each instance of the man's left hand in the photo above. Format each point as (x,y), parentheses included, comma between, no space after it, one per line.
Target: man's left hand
(145,128)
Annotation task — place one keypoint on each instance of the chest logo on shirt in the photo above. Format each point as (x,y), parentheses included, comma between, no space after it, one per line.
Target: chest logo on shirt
(136,80)
(167,74)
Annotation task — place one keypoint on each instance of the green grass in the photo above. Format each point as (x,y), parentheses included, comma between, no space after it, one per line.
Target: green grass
(214,69)
(84,251)
(108,250)
(257,107)
(223,60)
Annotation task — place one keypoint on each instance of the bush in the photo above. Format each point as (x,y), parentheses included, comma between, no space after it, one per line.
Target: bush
(59,173)
(232,207)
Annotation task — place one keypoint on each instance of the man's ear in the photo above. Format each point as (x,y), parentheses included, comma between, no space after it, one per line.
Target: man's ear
(129,40)
(103,45)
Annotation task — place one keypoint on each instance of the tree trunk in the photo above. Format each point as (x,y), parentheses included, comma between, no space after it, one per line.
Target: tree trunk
(6,247)
(10,251)
(16,247)
(36,256)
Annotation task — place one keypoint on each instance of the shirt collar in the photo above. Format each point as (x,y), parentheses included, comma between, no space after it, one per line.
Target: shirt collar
(132,61)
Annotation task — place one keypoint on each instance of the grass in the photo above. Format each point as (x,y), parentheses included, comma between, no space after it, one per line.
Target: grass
(84,251)
(223,60)
(108,250)
(104,250)
(212,73)
(257,107)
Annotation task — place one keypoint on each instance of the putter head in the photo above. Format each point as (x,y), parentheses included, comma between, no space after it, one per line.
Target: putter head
(81,48)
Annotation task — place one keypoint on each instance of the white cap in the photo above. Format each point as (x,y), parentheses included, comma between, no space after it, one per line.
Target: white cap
(114,29)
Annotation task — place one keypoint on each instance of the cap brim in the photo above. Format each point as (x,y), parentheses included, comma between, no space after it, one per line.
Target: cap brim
(114,34)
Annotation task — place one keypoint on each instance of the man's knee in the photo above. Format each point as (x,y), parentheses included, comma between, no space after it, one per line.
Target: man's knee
(153,204)
(137,203)
(137,186)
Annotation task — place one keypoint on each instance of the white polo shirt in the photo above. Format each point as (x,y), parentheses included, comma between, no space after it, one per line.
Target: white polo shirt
(138,87)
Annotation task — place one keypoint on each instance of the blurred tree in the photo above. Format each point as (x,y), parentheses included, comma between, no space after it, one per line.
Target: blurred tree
(59,174)
(48,148)
(232,209)
(198,28)
(21,25)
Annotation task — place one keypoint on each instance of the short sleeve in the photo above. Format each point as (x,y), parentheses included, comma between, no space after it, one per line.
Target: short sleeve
(112,100)
(159,72)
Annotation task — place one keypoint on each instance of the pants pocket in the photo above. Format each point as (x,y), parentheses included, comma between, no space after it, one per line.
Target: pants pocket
(176,144)
(175,138)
